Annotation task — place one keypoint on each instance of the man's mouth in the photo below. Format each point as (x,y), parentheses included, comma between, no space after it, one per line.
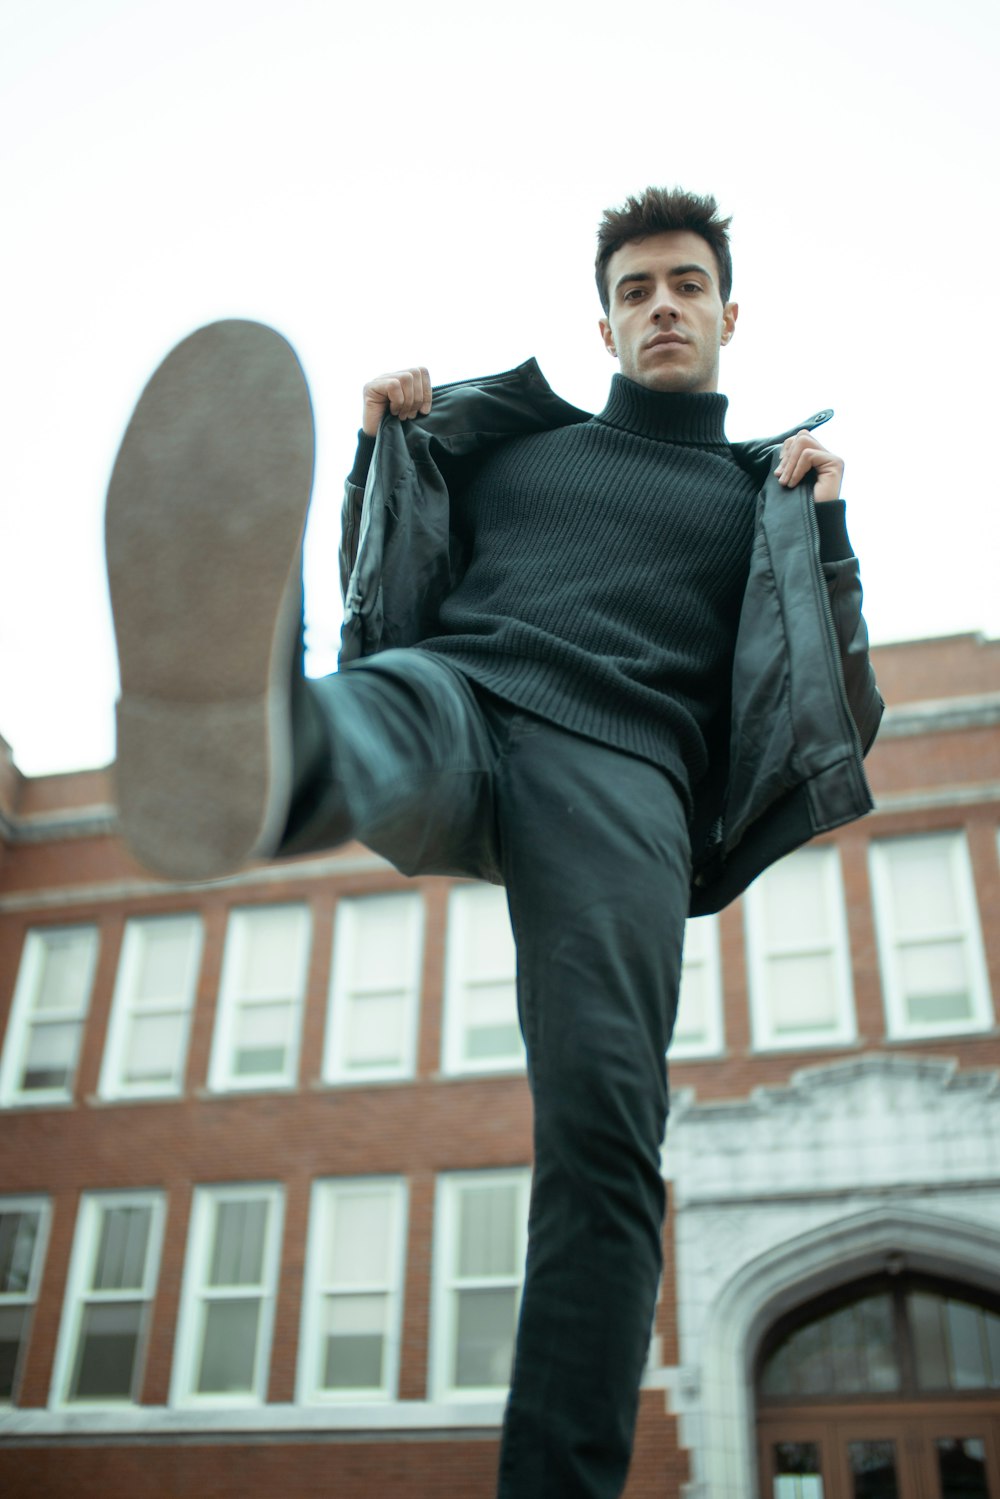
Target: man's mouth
(665,338)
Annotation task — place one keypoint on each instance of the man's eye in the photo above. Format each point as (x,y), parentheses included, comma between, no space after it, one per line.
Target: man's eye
(633,295)
(691,286)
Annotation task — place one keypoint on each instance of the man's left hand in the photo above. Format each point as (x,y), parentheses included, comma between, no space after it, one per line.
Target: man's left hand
(801,453)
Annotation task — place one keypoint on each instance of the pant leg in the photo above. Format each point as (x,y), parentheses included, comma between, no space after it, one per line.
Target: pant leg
(396,752)
(596,858)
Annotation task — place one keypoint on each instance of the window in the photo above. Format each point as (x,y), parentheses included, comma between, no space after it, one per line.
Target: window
(698,1028)
(482,1233)
(151,1011)
(930,948)
(227,1304)
(263,983)
(24,1225)
(352,1300)
(50,1004)
(374,988)
(797,949)
(482,1033)
(109,1295)
(903,1334)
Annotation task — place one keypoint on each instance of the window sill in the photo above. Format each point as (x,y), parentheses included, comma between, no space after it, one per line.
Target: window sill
(275,1421)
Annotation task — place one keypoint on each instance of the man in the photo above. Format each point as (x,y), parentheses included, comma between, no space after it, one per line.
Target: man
(612,662)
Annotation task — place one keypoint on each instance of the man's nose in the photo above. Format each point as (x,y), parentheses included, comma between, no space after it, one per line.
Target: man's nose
(664,305)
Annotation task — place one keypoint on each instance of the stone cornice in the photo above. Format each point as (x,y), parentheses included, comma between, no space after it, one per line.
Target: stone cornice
(941,715)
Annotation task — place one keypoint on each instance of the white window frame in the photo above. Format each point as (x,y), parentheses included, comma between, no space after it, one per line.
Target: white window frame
(898,1025)
(222,1078)
(125,1010)
(28,1298)
(22,1016)
(196,1294)
(701,952)
(454,1060)
(446,1283)
(80,1293)
(337,1065)
(844,1030)
(326,1196)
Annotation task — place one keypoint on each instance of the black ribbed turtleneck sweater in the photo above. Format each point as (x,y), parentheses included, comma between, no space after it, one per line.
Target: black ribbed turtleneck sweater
(607,565)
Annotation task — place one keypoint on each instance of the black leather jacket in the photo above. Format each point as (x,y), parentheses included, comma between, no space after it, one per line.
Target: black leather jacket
(805,706)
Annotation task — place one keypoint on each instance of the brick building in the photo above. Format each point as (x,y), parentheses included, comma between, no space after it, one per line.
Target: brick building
(265,1150)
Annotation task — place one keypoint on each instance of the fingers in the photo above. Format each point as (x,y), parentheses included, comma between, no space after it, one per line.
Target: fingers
(801,455)
(406,393)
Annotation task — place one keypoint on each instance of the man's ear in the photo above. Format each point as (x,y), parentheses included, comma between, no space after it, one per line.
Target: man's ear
(608,336)
(730,313)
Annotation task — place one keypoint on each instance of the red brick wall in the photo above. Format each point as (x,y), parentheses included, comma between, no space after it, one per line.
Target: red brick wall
(416,1129)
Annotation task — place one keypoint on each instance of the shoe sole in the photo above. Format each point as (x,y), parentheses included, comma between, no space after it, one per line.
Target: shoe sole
(206,512)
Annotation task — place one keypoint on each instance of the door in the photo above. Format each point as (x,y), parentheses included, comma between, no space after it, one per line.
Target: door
(900,1455)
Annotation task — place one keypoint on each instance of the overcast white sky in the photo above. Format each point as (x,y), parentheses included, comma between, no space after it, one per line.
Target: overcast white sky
(394,183)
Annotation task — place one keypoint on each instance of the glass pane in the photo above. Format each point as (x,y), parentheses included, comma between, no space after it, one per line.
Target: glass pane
(794,899)
(493,1043)
(272,953)
(802,993)
(797,1471)
(65,971)
(238,1251)
(487,1231)
(993,1344)
(778,1374)
(229,1349)
(692,1003)
(152,1052)
(935,981)
(13,1324)
(375,1030)
(120,1264)
(962,1468)
(353,1342)
(930,1349)
(849,1351)
(848,1355)
(163,969)
(489,943)
(18,1235)
(968,1347)
(262,1039)
(106,1353)
(811,1355)
(380,952)
(878,1339)
(51,1058)
(873,1470)
(358,1248)
(485,1334)
(492,1028)
(923,889)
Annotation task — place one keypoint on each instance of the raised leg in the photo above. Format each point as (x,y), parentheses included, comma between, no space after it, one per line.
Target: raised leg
(596,857)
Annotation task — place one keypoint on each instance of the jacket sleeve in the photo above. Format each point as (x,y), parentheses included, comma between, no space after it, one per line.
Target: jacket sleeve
(843,585)
(350,516)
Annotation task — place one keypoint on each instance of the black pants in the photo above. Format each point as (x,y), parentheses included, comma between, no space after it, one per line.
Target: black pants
(403,753)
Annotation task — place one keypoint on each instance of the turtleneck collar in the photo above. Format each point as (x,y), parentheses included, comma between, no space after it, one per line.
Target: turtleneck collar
(666,415)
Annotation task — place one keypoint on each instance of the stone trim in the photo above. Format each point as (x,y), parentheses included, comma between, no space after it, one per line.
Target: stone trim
(941,715)
(139,888)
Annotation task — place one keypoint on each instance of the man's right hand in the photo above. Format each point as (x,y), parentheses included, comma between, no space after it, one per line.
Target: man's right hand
(407,393)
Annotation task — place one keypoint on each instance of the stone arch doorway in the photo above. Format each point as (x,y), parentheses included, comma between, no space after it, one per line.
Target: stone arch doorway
(940,1246)
(886,1388)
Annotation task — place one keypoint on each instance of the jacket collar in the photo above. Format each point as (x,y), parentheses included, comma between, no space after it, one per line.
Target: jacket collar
(521,399)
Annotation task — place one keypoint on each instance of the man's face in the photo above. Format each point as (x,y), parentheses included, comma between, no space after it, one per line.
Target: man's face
(667,321)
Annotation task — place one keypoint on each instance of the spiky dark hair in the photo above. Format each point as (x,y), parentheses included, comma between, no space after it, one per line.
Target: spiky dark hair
(660,210)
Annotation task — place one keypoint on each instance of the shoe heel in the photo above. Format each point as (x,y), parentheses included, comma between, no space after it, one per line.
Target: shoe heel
(202,791)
